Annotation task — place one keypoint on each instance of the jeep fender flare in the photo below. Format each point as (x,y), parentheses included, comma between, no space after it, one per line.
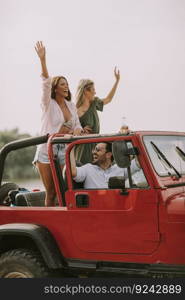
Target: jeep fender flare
(41,237)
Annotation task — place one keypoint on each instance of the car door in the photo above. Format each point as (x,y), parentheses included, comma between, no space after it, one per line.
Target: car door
(112,221)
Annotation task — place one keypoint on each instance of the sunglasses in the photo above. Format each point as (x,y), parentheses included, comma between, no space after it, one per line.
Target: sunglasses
(98,149)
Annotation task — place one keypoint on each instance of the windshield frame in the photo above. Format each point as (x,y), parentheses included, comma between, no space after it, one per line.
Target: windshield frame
(162,171)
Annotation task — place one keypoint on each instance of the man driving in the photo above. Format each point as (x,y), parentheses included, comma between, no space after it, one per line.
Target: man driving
(96,175)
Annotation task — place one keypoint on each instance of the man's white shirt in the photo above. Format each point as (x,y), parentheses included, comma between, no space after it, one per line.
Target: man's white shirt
(95,177)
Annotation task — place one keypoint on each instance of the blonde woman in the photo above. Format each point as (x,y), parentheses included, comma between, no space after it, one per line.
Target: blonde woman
(87,106)
(59,115)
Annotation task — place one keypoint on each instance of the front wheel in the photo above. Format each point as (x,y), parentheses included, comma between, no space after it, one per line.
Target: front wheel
(22,263)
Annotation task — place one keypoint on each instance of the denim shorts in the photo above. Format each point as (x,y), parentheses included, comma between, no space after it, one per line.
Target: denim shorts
(42,156)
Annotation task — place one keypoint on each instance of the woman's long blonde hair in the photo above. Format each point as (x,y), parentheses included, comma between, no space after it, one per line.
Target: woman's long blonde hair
(84,84)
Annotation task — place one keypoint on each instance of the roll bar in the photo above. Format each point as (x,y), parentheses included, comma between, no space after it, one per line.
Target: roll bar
(18,144)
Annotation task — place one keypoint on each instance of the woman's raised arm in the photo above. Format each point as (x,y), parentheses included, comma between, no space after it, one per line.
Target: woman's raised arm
(41,51)
(110,95)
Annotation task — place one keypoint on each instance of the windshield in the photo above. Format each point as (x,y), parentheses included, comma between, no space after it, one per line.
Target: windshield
(171,162)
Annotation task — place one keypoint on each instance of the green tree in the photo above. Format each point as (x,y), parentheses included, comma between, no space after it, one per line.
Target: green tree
(18,164)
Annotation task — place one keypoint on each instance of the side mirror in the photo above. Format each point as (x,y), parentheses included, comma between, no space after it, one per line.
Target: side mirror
(116,182)
(122,153)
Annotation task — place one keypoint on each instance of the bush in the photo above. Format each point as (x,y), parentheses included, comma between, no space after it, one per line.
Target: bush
(18,163)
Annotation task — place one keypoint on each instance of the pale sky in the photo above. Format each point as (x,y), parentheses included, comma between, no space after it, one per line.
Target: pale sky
(145,39)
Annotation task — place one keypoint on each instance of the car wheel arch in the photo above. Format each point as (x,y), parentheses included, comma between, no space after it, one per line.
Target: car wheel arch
(36,235)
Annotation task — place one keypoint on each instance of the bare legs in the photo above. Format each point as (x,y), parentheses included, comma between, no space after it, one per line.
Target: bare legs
(47,178)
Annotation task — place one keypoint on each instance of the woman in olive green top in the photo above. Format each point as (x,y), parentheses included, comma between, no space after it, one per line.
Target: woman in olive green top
(87,105)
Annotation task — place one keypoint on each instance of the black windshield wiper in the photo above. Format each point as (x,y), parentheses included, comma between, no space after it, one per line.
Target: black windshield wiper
(180,152)
(165,159)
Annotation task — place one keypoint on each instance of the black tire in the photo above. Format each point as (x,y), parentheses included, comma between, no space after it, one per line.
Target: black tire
(22,263)
(5,188)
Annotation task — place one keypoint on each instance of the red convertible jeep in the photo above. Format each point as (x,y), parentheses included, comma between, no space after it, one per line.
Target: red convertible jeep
(135,227)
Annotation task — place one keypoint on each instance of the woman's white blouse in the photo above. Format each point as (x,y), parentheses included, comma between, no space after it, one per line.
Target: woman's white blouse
(52,117)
